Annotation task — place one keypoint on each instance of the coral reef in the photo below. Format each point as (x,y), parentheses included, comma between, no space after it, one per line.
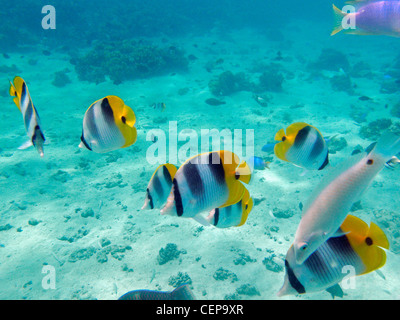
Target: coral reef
(271,80)
(361,70)
(282,214)
(228,83)
(222,274)
(389,222)
(180,279)
(169,253)
(271,264)
(342,83)
(81,254)
(390,85)
(374,129)
(248,290)
(337,144)
(128,60)
(395,110)
(332,60)
(61,79)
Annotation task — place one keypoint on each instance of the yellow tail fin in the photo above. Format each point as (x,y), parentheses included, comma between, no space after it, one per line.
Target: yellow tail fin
(280,134)
(367,242)
(13,93)
(373,256)
(378,236)
(247,206)
(244,172)
(338,18)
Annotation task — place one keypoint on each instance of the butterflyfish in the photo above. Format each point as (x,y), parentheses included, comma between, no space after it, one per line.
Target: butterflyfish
(232,216)
(359,250)
(22,98)
(205,182)
(159,186)
(302,145)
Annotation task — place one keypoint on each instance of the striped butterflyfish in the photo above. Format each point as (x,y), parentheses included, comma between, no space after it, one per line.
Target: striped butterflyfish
(159,186)
(108,125)
(332,199)
(205,182)
(359,250)
(182,292)
(232,216)
(19,90)
(302,145)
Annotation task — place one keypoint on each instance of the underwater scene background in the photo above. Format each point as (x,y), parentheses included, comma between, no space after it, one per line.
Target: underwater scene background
(237,65)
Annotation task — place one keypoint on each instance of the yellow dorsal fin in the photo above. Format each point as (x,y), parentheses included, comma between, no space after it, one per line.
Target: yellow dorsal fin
(294,128)
(338,18)
(171,169)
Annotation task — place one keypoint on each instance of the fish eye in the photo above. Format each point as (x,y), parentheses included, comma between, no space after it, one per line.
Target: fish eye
(123,119)
(247,206)
(283,138)
(303,247)
(370,162)
(237,175)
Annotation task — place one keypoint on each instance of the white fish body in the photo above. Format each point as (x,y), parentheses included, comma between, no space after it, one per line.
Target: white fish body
(213,195)
(100,131)
(205,182)
(331,202)
(31,118)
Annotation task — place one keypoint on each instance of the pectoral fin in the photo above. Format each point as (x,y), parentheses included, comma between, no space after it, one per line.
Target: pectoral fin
(25,145)
(203,221)
(335,291)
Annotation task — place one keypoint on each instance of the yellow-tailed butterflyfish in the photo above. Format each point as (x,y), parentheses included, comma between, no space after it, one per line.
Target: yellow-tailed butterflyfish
(232,216)
(19,90)
(205,182)
(108,125)
(159,186)
(358,251)
(302,145)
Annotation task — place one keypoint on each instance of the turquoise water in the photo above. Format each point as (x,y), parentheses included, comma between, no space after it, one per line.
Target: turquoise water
(76,215)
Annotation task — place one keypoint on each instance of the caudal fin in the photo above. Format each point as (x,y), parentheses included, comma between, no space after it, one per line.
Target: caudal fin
(183,293)
(338,18)
(243,172)
(388,145)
